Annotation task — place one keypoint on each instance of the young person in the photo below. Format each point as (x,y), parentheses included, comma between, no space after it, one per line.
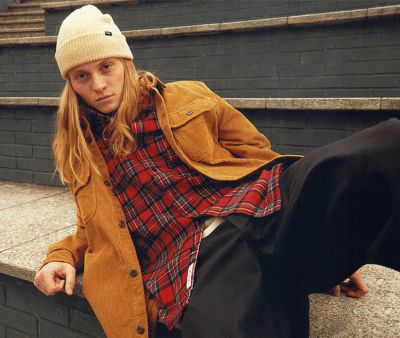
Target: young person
(188,224)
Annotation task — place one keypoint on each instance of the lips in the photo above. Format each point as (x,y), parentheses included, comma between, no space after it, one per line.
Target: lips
(105,97)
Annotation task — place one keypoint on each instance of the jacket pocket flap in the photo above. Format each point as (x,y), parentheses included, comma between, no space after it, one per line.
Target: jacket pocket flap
(190,111)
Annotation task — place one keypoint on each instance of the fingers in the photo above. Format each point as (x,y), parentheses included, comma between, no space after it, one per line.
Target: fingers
(335,291)
(356,287)
(70,280)
(54,276)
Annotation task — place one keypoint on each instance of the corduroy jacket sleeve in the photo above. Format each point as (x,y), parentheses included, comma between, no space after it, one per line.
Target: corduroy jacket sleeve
(71,249)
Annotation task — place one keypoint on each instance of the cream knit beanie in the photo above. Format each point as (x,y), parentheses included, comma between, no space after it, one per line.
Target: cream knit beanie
(88,35)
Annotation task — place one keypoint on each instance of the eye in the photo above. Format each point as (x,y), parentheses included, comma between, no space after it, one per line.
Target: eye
(107,66)
(81,76)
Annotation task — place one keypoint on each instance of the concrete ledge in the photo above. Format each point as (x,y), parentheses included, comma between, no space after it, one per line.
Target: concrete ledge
(47,6)
(47,214)
(336,103)
(327,18)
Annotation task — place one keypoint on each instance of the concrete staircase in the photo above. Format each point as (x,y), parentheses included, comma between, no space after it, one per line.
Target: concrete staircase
(25,19)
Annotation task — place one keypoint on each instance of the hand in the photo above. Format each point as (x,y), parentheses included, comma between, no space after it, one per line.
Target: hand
(354,288)
(52,277)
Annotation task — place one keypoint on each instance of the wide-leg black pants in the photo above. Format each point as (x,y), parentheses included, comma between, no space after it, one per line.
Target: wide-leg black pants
(341,209)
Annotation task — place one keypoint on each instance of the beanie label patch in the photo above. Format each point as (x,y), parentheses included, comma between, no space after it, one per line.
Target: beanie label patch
(108,33)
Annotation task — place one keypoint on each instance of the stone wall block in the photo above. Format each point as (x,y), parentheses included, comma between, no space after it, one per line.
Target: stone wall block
(2,294)
(15,125)
(42,152)
(86,323)
(16,175)
(7,162)
(15,318)
(37,304)
(48,329)
(7,137)
(47,178)
(42,126)
(33,138)
(11,333)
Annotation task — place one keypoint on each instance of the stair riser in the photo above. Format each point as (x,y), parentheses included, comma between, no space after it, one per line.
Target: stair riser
(24,9)
(21,25)
(19,35)
(20,17)
(38,1)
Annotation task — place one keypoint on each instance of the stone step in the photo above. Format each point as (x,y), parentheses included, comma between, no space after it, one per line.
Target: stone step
(37,1)
(21,32)
(22,8)
(15,24)
(27,16)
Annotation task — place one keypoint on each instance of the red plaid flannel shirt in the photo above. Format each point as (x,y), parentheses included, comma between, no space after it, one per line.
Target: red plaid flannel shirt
(163,200)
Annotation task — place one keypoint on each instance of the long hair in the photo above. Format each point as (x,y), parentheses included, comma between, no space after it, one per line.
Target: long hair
(70,147)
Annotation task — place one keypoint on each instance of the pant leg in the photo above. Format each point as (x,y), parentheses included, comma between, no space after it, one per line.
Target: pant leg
(228,299)
(341,209)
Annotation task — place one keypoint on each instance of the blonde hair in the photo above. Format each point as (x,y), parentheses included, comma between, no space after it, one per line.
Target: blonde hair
(70,147)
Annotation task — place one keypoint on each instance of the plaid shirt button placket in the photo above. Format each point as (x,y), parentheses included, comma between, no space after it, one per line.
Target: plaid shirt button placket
(162,198)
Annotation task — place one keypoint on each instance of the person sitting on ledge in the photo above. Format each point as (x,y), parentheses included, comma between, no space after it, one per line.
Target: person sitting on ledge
(188,224)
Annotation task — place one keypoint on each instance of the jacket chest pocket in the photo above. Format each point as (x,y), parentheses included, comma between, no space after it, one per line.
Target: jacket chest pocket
(85,197)
(194,129)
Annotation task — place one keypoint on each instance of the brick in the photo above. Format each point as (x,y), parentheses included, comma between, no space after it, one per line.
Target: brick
(42,152)
(48,330)
(11,333)
(47,179)
(33,139)
(25,163)
(43,165)
(7,162)
(43,126)
(46,165)
(2,294)
(16,175)
(23,150)
(308,137)
(15,125)
(37,304)
(7,137)
(86,323)
(35,113)
(15,318)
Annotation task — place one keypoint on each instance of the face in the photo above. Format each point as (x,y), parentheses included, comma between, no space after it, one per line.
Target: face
(99,83)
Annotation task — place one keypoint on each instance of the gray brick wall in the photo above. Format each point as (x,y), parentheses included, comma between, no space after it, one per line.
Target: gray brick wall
(25,155)
(349,60)
(25,312)
(25,144)
(150,14)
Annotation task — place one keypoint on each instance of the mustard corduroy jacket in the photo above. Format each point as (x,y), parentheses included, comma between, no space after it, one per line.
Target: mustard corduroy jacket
(207,134)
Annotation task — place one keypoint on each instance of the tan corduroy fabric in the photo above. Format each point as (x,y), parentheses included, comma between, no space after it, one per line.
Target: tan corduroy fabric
(88,35)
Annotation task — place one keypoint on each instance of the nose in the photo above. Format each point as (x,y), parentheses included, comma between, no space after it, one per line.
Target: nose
(98,83)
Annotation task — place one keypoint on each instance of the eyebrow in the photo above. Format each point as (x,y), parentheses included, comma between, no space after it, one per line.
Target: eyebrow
(100,63)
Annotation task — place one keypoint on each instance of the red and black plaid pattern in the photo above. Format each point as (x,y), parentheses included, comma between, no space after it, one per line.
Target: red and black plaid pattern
(164,202)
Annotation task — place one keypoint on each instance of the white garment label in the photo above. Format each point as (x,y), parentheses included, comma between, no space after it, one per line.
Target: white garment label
(189,276)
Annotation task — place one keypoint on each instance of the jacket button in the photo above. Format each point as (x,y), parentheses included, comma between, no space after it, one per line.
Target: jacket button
(122,224)
(75,183)
(140,329)
(189,113)
(107,183)
(133,272)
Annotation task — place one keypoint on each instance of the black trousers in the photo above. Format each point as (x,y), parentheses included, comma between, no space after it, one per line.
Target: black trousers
(341,209)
